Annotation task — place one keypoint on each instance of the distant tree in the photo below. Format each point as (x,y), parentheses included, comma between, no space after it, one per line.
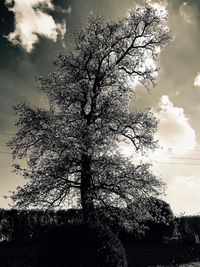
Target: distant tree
(187,228)
(159,210)
(160,222)
(72,146)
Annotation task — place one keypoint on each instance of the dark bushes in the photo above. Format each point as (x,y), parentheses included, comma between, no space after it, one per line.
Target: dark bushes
(81,246)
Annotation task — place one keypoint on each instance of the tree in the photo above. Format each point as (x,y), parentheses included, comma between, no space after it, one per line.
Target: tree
(161,221)
(72,146)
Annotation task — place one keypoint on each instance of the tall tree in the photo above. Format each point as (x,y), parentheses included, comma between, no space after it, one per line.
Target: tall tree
(72,146)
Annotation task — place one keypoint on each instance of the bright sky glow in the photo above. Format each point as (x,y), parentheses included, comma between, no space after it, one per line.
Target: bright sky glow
(174,129)
(197,80)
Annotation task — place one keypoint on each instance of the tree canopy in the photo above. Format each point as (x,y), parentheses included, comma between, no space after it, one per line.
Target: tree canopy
(72,146)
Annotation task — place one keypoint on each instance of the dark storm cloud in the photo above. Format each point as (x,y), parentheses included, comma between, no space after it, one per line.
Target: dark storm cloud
(6,20)
(18,69)
(6,26)
(8,63)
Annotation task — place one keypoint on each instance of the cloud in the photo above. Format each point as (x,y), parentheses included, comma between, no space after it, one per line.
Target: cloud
(197,80)
(174,130)
(31,21)
(184,189)
(186,12)
(175,133)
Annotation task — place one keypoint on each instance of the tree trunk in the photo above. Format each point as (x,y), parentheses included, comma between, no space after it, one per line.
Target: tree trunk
(87,193)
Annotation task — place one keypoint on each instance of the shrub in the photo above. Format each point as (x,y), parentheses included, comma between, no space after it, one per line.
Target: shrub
(80,245)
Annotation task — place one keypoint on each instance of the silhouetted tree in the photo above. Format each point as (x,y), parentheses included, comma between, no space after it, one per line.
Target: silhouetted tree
(72,146)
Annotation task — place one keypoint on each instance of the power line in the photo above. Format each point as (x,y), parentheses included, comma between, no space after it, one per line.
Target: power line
(171,163)
(176,163)
(185,158)
(191,150)
(6,134)
(155,162)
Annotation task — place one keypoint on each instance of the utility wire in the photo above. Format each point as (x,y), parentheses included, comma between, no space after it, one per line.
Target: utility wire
(154,162)
(175,163)
(185,158)
(6,134)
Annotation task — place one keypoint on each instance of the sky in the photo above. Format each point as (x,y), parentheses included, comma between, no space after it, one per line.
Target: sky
(34,32)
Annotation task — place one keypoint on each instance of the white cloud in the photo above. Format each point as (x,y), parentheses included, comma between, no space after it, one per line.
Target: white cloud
(183,194)
(174,130)
(68,10)
(175,133)
(197,80)
(186,12)
(31,21)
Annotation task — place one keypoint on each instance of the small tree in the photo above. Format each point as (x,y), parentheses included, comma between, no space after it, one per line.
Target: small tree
(161,221)
(72,146)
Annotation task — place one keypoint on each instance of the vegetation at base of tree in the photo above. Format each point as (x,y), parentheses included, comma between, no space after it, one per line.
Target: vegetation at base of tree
(82,245)
(24,225)
(54,229)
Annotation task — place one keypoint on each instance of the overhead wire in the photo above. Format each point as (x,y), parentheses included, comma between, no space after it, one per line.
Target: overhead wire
(153,162)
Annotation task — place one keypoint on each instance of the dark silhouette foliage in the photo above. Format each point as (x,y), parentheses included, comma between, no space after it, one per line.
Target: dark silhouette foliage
(82,245)
(160,224)
(60,236)
(187,229)
(22,225)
